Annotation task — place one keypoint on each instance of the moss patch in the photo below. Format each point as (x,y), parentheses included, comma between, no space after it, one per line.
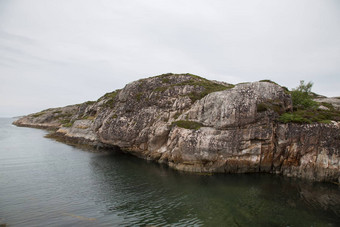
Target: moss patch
(65,115)
(67,123)
(38,114)
(293,117)
(269,81)
(207,85)
(166,80)
(89,102)
(110,98)
(161,89)
(177,114)
(328,105)
(274,105)
(261,107)
(139,96)
(310,116)
(187,124)
(89,118)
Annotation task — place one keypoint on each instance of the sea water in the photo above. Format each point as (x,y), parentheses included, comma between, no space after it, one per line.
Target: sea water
(47,183)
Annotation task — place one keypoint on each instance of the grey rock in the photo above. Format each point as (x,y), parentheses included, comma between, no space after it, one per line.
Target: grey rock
(335,101)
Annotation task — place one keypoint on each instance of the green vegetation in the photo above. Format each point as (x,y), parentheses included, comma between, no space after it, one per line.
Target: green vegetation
(166,80)
(139,96)
(110,98)
(89,102)
(286,90)
(328,105)
(243,83)
(161,89)
(65,115)
(110,95)
(310,116)
(66,122)
(305,109)
(166,75)
(207,85)
(302,98)
(177,114)
(261,107)
(141,83)
(269,81)
(274,105)
(90,117)
(187,124)
(38,114)
(293,117)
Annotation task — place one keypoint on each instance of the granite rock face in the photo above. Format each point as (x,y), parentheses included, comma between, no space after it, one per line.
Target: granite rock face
(193,124)
(309,151)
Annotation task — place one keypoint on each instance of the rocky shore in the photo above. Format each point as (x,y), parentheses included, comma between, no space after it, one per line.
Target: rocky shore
(193,124)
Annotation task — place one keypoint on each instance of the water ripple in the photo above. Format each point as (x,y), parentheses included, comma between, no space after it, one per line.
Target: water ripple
(44,183)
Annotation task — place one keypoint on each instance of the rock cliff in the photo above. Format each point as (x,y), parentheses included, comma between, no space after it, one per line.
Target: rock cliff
(194,124)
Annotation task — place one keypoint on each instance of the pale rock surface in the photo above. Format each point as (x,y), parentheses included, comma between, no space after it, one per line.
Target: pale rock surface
(335,101)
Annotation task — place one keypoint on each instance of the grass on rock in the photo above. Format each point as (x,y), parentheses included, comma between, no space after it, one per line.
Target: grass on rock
(187,124)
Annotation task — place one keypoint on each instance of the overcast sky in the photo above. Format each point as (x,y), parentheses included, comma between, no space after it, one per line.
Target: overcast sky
(60,52)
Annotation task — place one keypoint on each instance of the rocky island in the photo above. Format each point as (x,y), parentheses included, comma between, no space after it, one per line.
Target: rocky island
(194,124)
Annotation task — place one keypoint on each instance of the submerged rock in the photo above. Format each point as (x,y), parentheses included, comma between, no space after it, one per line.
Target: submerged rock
(194,124)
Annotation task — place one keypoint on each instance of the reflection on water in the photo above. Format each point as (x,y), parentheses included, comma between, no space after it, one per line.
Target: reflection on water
(43,182)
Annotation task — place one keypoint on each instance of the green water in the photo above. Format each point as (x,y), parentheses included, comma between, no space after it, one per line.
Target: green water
(47,183)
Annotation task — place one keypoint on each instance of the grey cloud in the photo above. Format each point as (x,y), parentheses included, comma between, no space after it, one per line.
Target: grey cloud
(73,51)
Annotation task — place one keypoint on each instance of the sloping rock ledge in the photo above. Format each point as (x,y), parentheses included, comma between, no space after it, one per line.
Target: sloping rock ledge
(193,124)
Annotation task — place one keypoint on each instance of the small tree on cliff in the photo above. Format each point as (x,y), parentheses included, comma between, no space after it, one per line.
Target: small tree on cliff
(302,97)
